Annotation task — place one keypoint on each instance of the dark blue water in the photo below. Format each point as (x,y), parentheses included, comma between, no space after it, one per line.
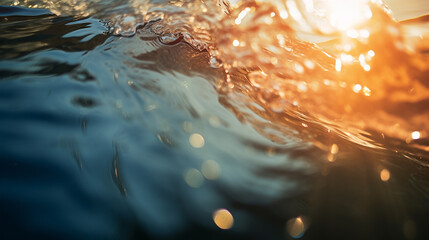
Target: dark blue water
(101,138)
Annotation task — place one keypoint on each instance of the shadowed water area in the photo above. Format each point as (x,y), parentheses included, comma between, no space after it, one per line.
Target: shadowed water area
(120,125)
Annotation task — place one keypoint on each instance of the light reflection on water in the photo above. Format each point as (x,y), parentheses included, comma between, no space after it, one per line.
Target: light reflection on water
(160,140)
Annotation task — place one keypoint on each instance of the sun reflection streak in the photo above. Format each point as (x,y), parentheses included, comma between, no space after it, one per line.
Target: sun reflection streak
(242,15)
(338,65)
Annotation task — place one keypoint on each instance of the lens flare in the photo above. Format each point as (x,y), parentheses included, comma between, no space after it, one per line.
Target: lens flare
(339,15)
(344,15)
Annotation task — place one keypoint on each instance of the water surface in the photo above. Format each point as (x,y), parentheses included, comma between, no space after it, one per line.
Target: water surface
(115,124)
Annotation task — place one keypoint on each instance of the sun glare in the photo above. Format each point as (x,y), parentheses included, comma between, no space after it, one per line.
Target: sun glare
(343,15)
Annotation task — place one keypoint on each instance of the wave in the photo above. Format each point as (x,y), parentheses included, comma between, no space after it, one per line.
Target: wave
(350,68)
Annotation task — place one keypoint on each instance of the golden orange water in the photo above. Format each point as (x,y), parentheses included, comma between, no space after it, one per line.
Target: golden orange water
(364,77)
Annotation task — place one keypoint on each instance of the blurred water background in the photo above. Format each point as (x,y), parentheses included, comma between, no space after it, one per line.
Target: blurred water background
(155,120)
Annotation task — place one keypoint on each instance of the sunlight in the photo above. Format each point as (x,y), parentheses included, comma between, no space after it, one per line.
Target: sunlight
(342,15)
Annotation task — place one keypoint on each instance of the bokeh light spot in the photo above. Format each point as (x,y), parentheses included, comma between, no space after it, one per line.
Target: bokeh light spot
(196,140)
(334,149)
(210,169)
(415,135)
(295,227)
(384,175)
(193,178)
(223,219)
